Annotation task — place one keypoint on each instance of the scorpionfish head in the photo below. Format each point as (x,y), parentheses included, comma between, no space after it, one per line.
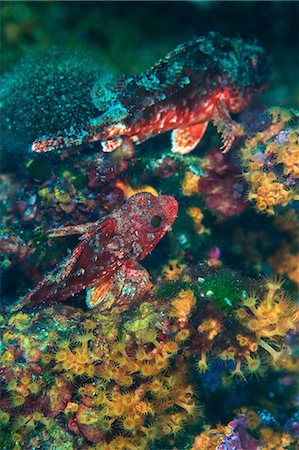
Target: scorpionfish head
(152,217)
(247,72)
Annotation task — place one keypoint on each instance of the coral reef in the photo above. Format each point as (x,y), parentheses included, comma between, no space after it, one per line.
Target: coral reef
(108,378)
(126,379)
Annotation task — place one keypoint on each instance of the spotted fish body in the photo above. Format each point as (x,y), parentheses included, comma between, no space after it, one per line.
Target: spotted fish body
(105,260)
(204,79)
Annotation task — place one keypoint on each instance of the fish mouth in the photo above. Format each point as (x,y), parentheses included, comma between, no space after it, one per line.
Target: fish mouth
(170,207)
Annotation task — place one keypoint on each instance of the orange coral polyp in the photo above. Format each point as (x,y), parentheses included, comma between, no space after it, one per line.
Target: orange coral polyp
(18,400)
(156,386)
(89,371)
(253,364)
(79,369)
(115,409)
(130,423)
(128,399)
(144,407)
(62,355)
(170,347)
(182,335)
(147,370)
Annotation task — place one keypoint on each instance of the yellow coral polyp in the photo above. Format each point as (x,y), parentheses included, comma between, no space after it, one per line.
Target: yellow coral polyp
(46,358)
(130,423)
(210,327)
(129,190)
(170,347)
(12,385)
(68,365)
(150,432)
(78,369)
(238,372)
(147,370)
(4,417)
(62,355)
(173,269)
(128,399)
(172,424)
(20,320)
(23,390)
(119,443)
(141,355)
(144,408)
(18,400)
(125,380)
(8,357)
(202,363)
(243,340)
(160,363)
(197,215)
(25,380)
(106,424)
(156,386)
(253,364)
(34,387)
(116,409)
(190,184)
(272,439)
(89,371)
(182,305)
(253,347)
(107,374)
(71,408)
(182,335)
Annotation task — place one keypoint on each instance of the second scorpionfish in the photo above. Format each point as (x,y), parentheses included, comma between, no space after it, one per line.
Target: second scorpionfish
(202,80)
(105,260)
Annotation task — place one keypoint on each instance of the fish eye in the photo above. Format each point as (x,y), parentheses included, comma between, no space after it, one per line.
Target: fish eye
(156,221)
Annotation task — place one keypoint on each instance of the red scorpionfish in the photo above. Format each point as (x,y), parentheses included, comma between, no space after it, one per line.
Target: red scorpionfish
(105,261)
(202,80)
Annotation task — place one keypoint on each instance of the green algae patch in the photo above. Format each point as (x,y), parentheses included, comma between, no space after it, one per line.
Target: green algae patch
(225,290)
(170,289)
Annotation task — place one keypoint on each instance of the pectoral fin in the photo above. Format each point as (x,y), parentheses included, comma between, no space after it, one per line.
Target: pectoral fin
(226,126)
(122,287)
(111,144)
(184,140)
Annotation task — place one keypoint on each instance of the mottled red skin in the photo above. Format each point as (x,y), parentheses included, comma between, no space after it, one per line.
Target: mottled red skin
(221,185)
(201,80)
(109,247)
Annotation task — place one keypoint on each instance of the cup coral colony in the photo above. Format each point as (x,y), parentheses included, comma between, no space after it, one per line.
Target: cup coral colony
(194,347)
